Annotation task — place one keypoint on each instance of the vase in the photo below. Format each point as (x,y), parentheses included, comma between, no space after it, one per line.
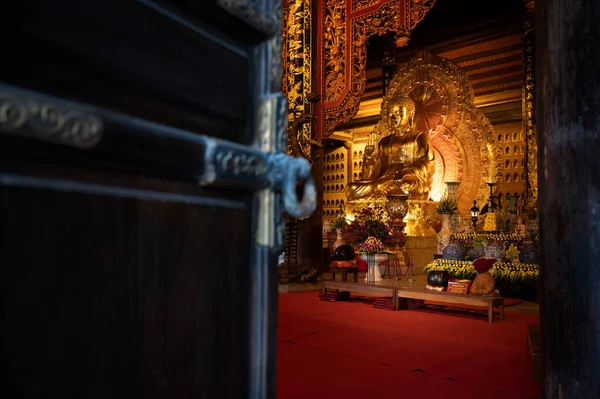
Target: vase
(325,233)
(339,240)
(455,222)
(438,278)
(373,271)
(476,252)
(528,254)
(454,251)
(443,237)
(494,251)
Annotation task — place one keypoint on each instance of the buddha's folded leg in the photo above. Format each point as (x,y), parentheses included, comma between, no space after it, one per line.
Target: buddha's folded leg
(391,187)
(411,185)
(360,190)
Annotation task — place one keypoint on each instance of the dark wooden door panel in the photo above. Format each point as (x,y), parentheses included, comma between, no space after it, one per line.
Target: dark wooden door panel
(110,292)
(147,59)
(142,190)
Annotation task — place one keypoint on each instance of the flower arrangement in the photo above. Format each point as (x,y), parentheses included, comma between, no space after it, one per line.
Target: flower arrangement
(447,205)
(339,222)
(396,237)
(512,279)
(492,236)
(371,246)
(369,222)
(512,253)
(478,241)
(467,238)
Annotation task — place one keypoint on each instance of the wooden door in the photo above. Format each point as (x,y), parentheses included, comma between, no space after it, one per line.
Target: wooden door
(142,192)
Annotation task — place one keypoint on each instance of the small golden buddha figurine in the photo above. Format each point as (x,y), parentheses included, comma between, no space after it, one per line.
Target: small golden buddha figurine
(404,162)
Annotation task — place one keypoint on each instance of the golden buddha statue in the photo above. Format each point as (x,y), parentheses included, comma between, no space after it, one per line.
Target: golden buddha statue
(404,161)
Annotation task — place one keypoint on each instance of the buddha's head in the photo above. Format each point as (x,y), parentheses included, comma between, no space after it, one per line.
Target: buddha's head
(400,112)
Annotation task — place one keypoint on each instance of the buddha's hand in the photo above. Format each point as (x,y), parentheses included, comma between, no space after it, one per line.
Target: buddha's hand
(369,150)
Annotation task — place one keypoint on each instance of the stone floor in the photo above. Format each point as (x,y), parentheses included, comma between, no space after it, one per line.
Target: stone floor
(523,307)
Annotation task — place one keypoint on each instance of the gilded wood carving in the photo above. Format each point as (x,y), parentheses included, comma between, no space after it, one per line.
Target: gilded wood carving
(343,49)
(528,98)
(334,50)
(297,82)
(358,5)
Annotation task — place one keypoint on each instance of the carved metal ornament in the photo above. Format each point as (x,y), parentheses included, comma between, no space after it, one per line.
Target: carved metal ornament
(227,162)
(39,117)
(276,48)
(257,13)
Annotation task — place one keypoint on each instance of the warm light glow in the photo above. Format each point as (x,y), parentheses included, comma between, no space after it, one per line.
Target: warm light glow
(369,108)
(492,170)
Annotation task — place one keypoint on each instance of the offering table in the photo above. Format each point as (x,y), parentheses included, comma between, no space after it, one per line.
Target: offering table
(411,295)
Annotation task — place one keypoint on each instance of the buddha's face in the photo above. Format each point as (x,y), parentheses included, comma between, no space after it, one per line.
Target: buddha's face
(397,116)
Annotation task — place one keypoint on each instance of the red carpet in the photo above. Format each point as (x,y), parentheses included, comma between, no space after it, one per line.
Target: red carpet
(350,350)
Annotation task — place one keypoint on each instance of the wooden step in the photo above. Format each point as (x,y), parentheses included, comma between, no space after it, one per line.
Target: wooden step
(334,296)
(384,303)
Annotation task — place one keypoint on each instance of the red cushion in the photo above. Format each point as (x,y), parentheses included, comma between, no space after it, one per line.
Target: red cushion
(343,263)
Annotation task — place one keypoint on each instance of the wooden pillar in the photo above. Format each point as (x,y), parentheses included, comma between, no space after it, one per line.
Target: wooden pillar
(568,122)
(528,99)
(310,237)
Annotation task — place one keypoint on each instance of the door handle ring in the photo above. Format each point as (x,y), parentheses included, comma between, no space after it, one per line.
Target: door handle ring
(298,169)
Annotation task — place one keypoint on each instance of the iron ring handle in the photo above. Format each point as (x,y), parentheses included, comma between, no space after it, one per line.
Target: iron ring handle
(298,169)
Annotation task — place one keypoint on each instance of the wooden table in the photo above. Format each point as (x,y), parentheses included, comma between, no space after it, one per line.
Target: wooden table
(412,291)
(461,299)
(380,289)
(344,272)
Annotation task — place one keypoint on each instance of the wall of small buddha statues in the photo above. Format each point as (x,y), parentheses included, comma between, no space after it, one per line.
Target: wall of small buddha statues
(335,178)
(510,147)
